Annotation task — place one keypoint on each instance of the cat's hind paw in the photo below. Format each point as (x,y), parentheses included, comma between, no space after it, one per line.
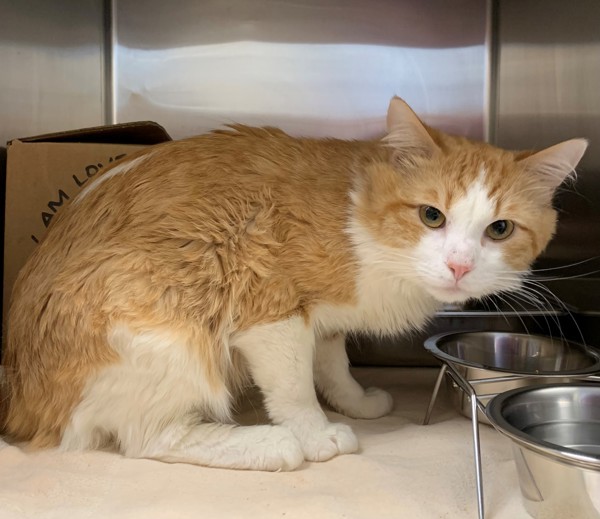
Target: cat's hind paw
(257,447)
(375,403)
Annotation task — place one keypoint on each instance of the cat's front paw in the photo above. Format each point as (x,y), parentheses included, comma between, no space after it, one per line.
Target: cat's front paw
(285,453)
(375,403)
(323,444)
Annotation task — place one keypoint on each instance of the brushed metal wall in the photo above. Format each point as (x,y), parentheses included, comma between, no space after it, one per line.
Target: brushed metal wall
(548,90)
(311,67)
(52,70)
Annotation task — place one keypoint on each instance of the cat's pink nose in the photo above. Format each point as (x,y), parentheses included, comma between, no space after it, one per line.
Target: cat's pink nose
(459,269)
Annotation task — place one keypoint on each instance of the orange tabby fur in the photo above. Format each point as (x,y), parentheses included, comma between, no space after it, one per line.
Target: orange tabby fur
(216,234)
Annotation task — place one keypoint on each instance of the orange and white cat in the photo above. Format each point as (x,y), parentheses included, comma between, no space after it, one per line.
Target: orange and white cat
(191,268)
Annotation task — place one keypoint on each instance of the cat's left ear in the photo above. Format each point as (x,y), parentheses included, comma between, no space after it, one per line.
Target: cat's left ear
(556,163)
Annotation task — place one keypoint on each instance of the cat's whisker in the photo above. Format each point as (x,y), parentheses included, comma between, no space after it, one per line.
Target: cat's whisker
(546,310)
(541,289)
(530,290)
(527,297)
(401,259)
(561,278)
(561,267)
(569,265)
(533,300)
(504,300)
(519,296)
(390,263)
(498,309)
(521,301)
(538,306)
(570,314)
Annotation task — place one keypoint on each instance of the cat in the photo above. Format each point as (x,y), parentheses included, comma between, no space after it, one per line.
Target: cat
(190,270)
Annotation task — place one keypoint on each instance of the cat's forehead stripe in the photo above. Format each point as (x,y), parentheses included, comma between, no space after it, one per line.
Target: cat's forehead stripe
(474,199)
(463,172)
(474,208)
(492,192)
(496,182)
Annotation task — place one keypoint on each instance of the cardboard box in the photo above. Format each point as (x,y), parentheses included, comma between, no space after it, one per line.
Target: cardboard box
(46,172)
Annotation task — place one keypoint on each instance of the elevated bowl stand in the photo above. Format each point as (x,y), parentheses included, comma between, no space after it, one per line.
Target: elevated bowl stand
(448,369)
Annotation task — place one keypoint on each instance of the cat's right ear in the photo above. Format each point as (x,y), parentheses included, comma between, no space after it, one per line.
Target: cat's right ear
(406,133)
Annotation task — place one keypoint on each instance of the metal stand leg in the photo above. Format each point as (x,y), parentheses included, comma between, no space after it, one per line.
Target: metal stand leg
(468,389)
(434,395)
(477,453)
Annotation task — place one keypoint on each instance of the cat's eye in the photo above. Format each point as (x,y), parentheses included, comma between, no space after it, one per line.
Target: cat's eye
(500,229)
(431,216)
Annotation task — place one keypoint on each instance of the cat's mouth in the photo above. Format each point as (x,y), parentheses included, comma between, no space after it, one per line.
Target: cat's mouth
(450,294)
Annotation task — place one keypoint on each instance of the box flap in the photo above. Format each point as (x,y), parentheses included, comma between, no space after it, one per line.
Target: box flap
(139,132)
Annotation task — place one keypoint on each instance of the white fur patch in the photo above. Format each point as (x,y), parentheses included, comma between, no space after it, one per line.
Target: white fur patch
(156,381)
(121,168)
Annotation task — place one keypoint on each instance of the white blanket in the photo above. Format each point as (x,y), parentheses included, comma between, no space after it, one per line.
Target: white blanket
(404,470)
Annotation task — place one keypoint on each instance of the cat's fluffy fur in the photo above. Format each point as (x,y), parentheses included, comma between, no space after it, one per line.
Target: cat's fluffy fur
(190,268)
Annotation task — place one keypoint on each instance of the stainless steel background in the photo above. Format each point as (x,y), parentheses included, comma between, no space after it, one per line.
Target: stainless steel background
(51,66)
(525,73)
(311,67)
(548,90)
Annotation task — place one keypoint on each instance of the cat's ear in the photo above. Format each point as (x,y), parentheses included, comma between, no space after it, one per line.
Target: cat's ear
(556,163)
(406,133)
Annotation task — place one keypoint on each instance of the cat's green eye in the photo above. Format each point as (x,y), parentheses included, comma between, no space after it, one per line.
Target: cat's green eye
(500,229)
(431,216)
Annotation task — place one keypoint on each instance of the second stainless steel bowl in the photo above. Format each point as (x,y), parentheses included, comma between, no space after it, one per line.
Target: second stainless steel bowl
(555,431)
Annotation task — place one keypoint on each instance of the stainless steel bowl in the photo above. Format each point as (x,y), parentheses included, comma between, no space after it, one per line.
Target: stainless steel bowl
(494,362)
(555,431)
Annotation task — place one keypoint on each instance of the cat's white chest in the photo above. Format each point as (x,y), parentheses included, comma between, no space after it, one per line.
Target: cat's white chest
(384,307)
